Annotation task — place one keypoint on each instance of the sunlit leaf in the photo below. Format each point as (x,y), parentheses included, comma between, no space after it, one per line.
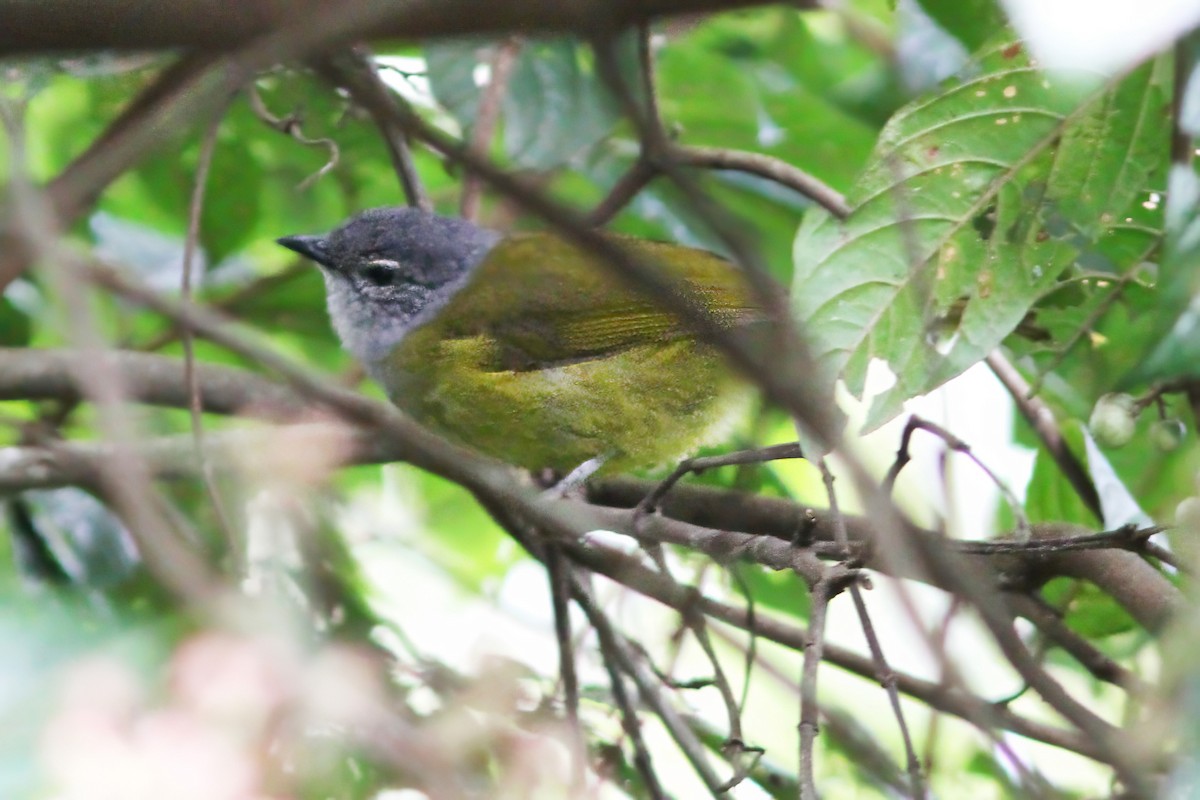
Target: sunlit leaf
(977,202)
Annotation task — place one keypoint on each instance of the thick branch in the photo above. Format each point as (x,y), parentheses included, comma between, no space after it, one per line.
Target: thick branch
(219,25)
(151,379)
(158,380)
(1136,585)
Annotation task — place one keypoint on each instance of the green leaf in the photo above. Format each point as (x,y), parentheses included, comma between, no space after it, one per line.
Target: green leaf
(450,68)
(1175,348)
(231,204)
(972,22)
(1050,496)
(976,203)
(784,592)
(555,106)
(1089,611)
(15,327)
(771,100)
(90,544)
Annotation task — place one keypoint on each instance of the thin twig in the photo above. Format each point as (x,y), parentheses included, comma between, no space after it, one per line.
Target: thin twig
(869,755)
(630,571)
(208,145)
(916,423)
(558,572)
(885,675)
(636,178)
(965,580)
(630,722)
(764,166)
(822,592)
(153,115)
(655,145)
(128,484)
(1127,537)
(743,586)
(645,170)
(1039,415)
(291,126)
(78,463)
(735,744)
(486,117)
(840,536)
(354,71)
(887,679)
(701,464)
(629,662)
(1050,622)
(735,741)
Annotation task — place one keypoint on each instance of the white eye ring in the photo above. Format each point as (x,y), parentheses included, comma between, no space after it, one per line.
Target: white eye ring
(384,262)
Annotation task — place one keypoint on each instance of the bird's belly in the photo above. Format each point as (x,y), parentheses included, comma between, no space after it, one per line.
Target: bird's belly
(641,407)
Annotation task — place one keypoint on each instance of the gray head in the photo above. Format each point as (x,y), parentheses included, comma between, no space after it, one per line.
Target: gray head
(387,269)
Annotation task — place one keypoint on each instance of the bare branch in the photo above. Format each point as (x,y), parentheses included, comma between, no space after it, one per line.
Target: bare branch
(764,166)
(1039,415)
(217,25)
(291,126)
(638,177)
(28,374)
(502,63)
(631,572)
(353,71)
(630,662)
(1125,576)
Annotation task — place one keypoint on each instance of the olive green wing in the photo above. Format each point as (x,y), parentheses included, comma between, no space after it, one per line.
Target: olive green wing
(563,306)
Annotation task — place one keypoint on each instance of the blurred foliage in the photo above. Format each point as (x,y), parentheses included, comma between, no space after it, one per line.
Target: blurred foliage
(1020,197)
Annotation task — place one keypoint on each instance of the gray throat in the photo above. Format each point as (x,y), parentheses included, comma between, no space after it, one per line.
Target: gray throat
(368,333)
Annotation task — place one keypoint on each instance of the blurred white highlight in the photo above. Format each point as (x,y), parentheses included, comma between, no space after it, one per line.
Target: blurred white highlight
(1103,35)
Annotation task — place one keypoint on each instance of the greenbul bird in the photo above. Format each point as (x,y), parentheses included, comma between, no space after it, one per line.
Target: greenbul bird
(524,346)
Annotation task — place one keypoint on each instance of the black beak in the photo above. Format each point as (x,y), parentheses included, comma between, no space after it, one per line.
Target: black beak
(308,246)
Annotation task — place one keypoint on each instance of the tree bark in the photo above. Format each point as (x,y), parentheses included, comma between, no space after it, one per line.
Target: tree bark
(31,26)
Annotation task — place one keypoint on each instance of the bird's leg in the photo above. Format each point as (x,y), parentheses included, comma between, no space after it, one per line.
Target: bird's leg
(577,477)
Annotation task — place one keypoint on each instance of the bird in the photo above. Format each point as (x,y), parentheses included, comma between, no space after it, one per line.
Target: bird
(524,346)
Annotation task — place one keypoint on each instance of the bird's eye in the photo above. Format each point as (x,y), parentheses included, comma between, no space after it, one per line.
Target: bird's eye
(381,271)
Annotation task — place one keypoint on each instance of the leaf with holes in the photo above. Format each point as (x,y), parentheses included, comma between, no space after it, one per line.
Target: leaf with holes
(976,203)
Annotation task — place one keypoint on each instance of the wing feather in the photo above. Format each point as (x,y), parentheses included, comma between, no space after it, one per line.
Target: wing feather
(577,310)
